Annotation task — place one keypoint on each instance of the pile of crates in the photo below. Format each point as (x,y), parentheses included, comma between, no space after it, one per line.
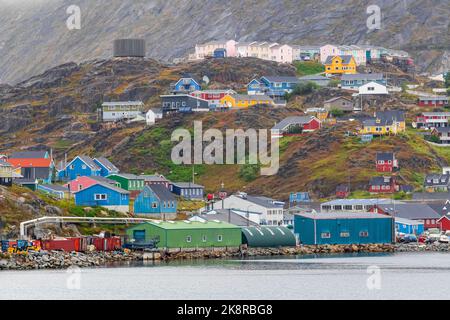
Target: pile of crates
(19,246)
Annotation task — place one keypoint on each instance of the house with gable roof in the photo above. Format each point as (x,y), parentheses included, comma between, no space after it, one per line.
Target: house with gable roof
(80,166)
(156,200)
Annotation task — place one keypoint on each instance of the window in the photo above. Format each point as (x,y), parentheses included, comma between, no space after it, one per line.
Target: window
(154,205)
(189,239)
(101,196)
(83,167)
(204,238)
(80,187)
(364,234)
(345,234)
(219,238)
(325,235)
(72,167)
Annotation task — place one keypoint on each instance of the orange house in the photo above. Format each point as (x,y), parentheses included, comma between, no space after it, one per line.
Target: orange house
(340,65)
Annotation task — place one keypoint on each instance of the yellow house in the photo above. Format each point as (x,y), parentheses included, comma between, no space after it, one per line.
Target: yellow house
(340,65)
(245,101)
(385,123)
(6,173)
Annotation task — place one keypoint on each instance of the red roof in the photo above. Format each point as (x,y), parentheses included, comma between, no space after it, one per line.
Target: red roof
(31,163)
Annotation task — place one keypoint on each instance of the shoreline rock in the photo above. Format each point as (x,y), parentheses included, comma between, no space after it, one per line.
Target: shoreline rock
(63,260)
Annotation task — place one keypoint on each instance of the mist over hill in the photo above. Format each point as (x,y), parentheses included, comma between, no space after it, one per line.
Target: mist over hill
(34,35)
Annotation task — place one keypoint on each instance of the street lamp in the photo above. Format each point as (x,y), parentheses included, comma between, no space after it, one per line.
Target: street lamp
(248,214)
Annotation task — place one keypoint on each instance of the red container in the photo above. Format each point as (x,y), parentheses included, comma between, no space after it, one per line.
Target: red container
(68,245)
(107,244)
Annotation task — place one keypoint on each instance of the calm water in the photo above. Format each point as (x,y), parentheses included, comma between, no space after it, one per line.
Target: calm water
(401,276)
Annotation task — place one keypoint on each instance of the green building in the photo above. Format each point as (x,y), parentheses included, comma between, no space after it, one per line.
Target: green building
(187,234)
(129,182)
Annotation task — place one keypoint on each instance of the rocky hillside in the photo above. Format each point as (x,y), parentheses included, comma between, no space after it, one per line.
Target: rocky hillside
(34,36)
(57,110)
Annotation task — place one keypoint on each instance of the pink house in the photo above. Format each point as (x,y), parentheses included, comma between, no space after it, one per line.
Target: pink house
(81,183)
(281,53)
(328,50)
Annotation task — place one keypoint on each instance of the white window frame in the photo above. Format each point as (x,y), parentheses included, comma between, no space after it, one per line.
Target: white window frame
(100,197)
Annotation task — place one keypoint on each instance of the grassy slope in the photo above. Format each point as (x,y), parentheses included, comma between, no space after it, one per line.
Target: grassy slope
(305,68)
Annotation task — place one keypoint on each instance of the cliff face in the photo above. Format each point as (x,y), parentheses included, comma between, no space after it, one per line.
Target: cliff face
(34,36)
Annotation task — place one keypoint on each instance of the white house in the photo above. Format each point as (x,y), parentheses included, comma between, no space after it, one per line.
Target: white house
(259,209)
(372,88)
(121,110)
(152,115)
(207,49)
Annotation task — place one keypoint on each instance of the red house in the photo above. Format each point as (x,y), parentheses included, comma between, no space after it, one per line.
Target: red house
(444,223)
(383,185)
(342,191)
(386,162)
(436,101)
(212,96)
(295,125)
(411,211)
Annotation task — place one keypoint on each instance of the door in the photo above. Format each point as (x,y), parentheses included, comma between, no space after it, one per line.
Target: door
(139,235)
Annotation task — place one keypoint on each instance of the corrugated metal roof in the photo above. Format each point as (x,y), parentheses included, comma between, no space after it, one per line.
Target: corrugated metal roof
(186,185)
(162,192)
(122,103)
(342,215)
(179,225)
(287,79)
(363,202)
(385,156)
(283,124)
(268,236)
(28,155)
(362,76)
(107,164)
(345,59)
(410,211)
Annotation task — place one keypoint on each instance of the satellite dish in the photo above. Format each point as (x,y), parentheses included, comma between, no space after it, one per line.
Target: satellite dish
(206,79)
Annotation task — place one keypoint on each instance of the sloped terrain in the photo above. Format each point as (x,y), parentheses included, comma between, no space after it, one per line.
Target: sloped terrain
(34,36)
(57,110)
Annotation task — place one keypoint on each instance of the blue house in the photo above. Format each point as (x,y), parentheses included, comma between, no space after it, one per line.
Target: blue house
(273,86)
(343,228)
(106,167)
(188,190)
(81,166)
(156,200)
(295,197)
(408,226)
(354,81)
(186,85)
(104,195)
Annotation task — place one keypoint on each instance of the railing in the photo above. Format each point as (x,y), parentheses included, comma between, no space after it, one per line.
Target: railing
(26,224)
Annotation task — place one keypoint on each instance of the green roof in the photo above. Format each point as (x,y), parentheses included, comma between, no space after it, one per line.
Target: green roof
(177,225)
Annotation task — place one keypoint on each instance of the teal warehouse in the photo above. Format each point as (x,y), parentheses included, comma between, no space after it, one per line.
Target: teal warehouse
(343,228)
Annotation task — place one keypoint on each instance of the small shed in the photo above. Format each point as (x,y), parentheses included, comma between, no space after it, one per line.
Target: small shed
(268,236)
(55,190)
(408,226)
